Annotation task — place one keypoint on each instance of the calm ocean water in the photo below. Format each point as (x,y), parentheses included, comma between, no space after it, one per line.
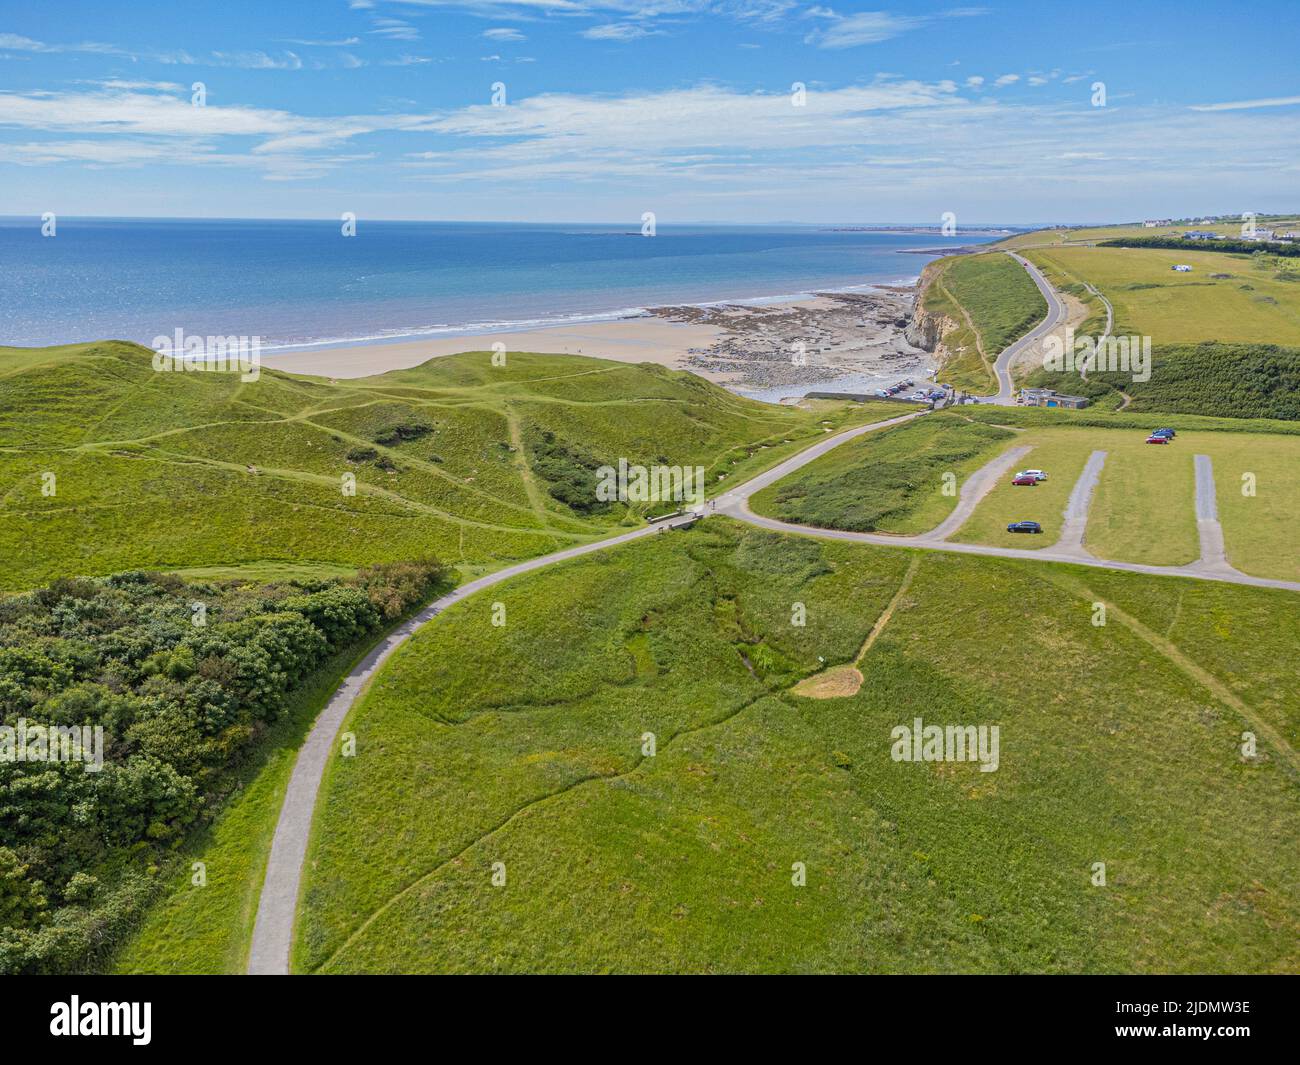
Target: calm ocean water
(302,284)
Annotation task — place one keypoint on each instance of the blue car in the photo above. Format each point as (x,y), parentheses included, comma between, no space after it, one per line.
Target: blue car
(1024,527)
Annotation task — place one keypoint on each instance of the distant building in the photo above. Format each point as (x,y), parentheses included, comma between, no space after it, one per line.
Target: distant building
(1152,223)
(1049,397)
(1201,234)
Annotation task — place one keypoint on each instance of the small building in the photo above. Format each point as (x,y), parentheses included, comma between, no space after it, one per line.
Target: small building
(1152,223)
(1049,397)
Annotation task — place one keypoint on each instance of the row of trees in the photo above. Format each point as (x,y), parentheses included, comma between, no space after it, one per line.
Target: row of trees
(1228,244)
(183,679)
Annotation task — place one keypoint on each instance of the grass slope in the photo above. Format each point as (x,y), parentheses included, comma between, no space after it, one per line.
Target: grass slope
(888,481)
(192,470)
(991,295)
(529,753)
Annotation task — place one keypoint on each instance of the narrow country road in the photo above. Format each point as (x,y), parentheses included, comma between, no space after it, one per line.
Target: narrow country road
(1056,313)
(273,930)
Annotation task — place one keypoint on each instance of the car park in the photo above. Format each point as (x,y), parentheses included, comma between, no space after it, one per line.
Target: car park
(1024,527)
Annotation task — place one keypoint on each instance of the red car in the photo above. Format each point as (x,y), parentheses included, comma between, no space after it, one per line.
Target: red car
(1025,480)
(1157,439)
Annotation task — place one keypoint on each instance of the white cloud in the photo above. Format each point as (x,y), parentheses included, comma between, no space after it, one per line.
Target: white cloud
(1007,79)
(872,27)
(617,31)
(974,81)
(1242,105)
(504,33)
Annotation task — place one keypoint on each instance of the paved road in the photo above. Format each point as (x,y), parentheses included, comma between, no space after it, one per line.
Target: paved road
(1076,509)
(1055,316)
(1213,552)
(273,931)
(977,486)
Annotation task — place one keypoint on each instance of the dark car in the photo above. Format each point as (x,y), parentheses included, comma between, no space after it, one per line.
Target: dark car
(1026,479)
(1024,527)
(1165,432)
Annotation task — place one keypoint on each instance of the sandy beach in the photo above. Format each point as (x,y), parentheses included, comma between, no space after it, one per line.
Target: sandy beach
(649,338)
(773,351)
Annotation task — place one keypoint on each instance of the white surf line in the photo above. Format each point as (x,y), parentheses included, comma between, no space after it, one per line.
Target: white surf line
(1056,314)
(1213,551)
(1076,509)
(273,929)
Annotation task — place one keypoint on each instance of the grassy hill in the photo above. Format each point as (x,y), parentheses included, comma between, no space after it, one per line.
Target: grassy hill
(532,756)
(991,301)
(471,463)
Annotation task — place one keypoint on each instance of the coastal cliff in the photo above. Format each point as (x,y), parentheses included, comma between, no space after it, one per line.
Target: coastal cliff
(925,329)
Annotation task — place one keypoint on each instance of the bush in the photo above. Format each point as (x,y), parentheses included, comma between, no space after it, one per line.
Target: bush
(178,706)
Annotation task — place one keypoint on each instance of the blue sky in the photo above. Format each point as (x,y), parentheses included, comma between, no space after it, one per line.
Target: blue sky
(681,107)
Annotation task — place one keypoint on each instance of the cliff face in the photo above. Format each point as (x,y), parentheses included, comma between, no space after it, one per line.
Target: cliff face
(925,329)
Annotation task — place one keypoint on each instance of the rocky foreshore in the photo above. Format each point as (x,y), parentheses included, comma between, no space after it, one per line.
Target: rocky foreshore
(808,344)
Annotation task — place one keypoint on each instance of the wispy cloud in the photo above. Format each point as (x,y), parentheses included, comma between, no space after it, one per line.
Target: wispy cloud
(617,31)
(504,33)
(872,27)
(1243,105)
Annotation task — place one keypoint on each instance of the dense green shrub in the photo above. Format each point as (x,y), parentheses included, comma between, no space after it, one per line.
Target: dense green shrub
(1222,380)
(180,694)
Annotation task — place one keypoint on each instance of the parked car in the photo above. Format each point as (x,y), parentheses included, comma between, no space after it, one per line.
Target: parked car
(1024,478)
(1165,432)
(1024,527)
(1037,475)
(883,393)
(919,397)
(1157,439)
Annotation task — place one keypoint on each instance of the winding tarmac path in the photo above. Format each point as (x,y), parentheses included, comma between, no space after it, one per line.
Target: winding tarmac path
(1056,315)
(273,930)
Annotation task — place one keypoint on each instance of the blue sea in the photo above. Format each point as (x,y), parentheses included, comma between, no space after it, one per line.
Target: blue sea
(302,284)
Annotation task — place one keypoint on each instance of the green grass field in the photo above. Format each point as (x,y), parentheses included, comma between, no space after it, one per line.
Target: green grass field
(892,480)
(476,464)
(531,755)
(1257,303)
(1260,530)
(1061,453)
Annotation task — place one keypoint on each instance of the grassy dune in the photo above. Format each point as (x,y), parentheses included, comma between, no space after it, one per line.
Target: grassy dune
(531,755)
(457,458)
